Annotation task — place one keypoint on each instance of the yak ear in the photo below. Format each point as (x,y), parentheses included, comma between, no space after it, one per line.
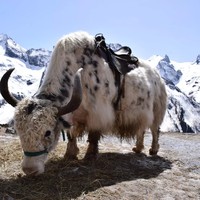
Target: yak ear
(4,89)
(76,98)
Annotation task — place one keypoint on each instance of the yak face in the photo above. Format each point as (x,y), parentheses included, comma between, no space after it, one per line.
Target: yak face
(38,122)
(38,126)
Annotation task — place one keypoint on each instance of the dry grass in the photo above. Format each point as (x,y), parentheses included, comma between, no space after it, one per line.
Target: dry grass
(70,180)
(116,174)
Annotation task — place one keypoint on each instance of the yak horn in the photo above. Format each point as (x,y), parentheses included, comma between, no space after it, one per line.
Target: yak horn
(4,89)
(76,98)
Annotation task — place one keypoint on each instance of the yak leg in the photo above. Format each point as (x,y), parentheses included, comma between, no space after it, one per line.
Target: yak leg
(92,150)
(154,146)
(139,142)
(72,148)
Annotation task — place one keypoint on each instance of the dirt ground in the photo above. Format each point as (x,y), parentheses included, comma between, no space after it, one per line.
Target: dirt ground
(117,173)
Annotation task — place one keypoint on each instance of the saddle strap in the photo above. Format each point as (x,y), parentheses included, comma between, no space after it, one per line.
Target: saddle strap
(120,62)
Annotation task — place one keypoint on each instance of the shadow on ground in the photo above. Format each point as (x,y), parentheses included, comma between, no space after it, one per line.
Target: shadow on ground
(70,180)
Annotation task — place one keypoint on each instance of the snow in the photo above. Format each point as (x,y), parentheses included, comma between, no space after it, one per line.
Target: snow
(13,45)
(183,89)
(153,60)
(39,52)
(8,115)
(189,81)
(2,50)
(17,84)
(2,44)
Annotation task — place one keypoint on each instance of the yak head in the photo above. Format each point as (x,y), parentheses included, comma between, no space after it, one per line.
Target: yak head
(38,122)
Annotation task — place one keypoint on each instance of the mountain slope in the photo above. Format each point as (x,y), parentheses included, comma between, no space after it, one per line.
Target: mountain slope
(28,64)
(183,98)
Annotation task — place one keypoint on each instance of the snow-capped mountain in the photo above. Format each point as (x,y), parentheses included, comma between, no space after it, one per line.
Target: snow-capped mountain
(28,64)
(183,88)
(182,82)
(35,57)
(168,71)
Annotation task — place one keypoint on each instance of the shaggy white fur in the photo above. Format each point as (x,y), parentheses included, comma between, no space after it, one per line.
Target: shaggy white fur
(142,106)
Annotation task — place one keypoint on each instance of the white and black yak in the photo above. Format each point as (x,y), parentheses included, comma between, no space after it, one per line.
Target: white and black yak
(80,91)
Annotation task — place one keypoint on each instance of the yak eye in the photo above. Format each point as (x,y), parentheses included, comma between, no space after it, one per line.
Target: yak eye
(47,134)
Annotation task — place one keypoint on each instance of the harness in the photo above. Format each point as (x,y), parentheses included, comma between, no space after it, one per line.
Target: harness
(120,62)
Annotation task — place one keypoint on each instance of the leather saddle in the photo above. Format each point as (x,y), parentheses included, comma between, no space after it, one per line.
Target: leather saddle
(120,60)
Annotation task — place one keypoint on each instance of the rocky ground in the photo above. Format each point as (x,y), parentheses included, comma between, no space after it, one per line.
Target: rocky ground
(117,173)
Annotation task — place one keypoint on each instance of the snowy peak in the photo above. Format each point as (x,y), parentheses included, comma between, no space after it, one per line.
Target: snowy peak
(11,49)
(38,57)
(183,89)
(168,71)
(3,37)
(183,112)
(35,57)
(166,59)
(198,60)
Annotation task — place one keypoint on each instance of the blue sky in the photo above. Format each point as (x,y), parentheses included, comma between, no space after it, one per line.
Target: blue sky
(149,27)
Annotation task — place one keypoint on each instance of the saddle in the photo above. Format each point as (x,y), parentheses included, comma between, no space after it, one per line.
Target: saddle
(120,61)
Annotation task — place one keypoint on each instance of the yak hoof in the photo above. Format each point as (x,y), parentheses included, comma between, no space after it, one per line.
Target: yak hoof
(152,152)
(136,150)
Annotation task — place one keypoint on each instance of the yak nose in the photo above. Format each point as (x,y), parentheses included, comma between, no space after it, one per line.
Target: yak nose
(33,166)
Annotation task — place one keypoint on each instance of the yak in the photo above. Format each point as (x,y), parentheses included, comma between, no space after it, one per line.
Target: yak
(85,91)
